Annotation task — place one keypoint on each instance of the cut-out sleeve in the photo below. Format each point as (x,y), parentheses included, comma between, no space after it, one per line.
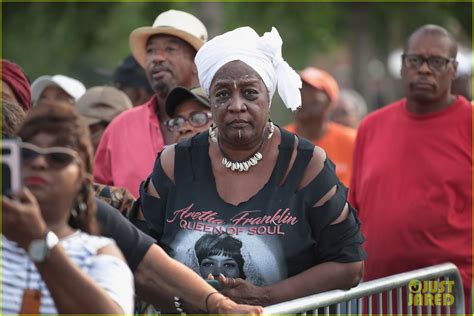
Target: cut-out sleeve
(341,242)
(153,208)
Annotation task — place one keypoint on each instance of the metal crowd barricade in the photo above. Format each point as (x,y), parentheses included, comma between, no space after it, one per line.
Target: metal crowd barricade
(365,293)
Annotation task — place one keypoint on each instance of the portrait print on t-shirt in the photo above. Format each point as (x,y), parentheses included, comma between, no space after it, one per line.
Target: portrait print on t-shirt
(243,246)
(220,254)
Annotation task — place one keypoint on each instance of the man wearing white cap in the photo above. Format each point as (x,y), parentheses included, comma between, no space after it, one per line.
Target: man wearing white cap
(56,88)
(166,51)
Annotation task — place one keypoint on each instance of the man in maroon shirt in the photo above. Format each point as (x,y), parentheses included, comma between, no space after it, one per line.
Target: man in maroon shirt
(412,169)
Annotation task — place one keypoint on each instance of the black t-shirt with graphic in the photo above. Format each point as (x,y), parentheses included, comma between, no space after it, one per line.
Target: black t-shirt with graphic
(276,234)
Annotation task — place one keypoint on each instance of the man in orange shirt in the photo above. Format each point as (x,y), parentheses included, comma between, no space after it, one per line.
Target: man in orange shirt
(318,94)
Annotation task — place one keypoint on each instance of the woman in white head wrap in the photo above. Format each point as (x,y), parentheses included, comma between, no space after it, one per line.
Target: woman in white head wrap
(276,193)
(263,54)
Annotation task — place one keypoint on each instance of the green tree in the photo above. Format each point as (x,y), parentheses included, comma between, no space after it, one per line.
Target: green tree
(88,40)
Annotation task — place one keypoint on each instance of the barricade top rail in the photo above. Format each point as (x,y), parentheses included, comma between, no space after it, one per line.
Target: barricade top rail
(373,287)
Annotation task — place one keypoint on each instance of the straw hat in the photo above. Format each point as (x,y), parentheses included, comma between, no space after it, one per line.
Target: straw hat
(172,22)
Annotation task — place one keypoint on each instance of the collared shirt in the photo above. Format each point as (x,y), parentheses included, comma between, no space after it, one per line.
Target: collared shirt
(128,148)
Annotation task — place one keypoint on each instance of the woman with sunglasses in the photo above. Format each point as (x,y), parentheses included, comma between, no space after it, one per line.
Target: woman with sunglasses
(189,112)
(51,261)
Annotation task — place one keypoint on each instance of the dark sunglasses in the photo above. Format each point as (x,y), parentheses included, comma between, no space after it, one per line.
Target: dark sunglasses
(435,63)
(195,119)
(56,157)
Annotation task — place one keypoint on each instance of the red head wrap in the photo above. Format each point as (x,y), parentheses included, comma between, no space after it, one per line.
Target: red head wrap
(16,79)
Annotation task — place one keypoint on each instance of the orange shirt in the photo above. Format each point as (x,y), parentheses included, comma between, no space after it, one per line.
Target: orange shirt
(338,142)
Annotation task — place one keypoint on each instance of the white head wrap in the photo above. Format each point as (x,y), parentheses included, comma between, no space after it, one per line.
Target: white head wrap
(263,54)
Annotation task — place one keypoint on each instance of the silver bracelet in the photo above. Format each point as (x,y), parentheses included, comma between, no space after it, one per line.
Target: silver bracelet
(178,304)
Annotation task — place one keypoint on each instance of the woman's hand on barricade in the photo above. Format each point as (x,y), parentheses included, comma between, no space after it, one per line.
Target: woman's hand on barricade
(22,219)
(220,304)
(228,306)
(244,292)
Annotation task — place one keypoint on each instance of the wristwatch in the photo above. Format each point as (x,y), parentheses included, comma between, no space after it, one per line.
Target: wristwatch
(39,249)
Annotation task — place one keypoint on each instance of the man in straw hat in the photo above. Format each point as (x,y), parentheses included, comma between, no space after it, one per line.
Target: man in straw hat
(166,51)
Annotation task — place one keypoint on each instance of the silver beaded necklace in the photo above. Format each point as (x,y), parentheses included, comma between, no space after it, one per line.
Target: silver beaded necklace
(244,165)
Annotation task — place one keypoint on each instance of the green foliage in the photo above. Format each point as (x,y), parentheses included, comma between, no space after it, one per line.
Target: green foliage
(87,40)
(305,27)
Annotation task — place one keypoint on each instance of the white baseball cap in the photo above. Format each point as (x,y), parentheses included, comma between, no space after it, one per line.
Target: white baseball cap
(71,86)
(172,22)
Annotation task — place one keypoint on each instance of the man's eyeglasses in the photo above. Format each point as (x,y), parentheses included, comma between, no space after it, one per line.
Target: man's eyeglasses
(435,63)
(195,119)
(56,157)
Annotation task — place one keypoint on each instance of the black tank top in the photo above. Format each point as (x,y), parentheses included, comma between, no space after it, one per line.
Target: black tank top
(276,234)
